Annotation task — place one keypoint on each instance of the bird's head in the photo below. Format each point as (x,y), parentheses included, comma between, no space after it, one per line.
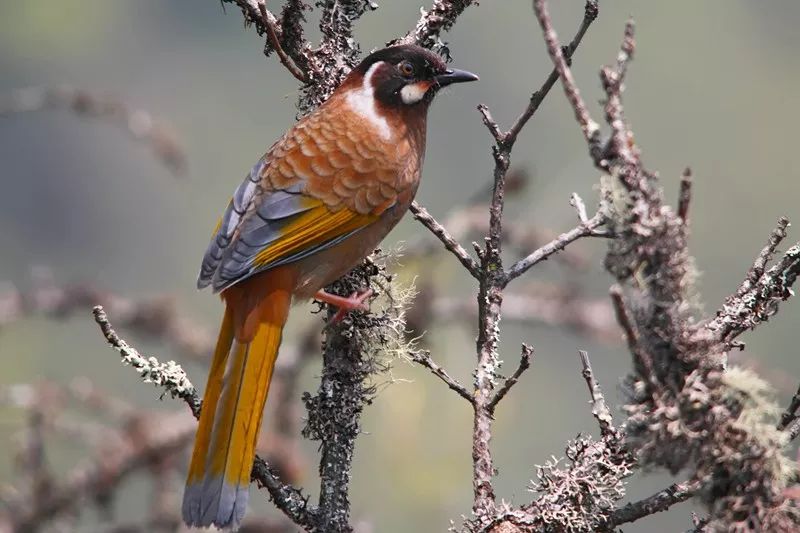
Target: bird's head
(403,78)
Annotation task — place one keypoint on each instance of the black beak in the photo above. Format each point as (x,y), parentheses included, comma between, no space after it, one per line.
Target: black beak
(453,75)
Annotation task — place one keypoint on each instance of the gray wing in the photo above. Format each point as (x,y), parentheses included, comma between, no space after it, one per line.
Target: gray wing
(245,230)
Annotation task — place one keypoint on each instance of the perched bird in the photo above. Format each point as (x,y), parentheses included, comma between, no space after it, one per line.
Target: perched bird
(314,206)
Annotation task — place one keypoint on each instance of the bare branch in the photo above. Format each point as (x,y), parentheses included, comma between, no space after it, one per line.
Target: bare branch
(250,12)
(757,298)
(591,131)
(580,207)
(425,218)
(519,236)
(790,414)
(524,364)
(95,479)
(292,32)
(793,431)
(583,230)
(764,257)
(490,123)
(599,408)
(156,316)
(267,19)
(433,22)
(169,376)
(590,14)
(642,361)
(685,195)
(492,280)
(288,499)
(658,502)
(551,305)
(140,124)
(422,357)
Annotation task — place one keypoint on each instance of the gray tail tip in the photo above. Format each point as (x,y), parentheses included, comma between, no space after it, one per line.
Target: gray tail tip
(213,502)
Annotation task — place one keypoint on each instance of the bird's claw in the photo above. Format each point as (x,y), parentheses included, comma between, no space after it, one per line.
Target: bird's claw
(354,302)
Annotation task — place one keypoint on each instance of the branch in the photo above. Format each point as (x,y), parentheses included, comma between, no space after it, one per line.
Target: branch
(140,124)
(599,408)
(790,414)
(432,23)
(658,502)
(685,195)
(171,377)
(422,357)
(492,280)
(590,14)
(793,431)
(643,363)
(757,298)
(288,499)
(266,18)
(524,364)
(250,12)
(469,222)
(591,131)
(425,218)
(155,316)
(585,229)
(96,479)
(756,272)
(531,304)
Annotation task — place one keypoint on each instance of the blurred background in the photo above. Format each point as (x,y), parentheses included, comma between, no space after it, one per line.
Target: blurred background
(714,86)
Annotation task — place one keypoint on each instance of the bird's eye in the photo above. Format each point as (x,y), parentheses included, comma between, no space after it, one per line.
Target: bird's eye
(406,69)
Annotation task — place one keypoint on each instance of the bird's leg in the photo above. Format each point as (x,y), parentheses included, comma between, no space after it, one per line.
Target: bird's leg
(345,304)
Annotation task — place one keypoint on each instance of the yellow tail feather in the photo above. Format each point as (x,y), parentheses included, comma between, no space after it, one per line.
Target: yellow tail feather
(239,378)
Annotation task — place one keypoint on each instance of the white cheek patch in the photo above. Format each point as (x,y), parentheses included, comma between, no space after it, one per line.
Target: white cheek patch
(414,92)
(362,102)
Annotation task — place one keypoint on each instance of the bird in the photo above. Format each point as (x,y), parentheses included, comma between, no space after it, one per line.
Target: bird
(316,204)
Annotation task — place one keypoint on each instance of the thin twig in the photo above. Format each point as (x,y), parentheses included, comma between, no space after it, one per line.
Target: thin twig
(439,18)
(790,415)
(793,430)
(250,12)
(139,123)
(599,408)
(96,479)
(685,195)
(642,359)
(556,245)
(580,207)
(427,220)
(492,280)
(658,502)
(170,376)
(621,146)
(287,62)
(491,123)
(591,131)
(524,364)
(590,14)
(764,257)
(758,297)
(290,500)
(423,358)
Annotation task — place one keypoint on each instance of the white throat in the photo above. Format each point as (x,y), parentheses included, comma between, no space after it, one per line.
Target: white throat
(413,93)
(362,102)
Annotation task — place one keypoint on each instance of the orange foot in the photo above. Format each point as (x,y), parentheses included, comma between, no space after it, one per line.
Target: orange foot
(352,303)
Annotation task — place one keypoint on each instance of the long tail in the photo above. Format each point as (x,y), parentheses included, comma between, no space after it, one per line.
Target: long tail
(238,381)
